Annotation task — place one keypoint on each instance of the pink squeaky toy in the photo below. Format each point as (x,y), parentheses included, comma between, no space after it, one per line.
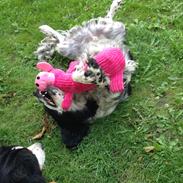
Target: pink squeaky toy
(62,80)
(110,60)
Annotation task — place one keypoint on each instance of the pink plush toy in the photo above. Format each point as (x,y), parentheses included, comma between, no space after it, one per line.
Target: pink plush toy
(62,80)
(110,60)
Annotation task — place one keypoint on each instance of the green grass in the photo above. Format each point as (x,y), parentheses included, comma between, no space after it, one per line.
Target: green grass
(153,116)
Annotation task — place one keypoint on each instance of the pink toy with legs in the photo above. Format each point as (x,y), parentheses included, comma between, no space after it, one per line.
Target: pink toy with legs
(110,60)
(63,80)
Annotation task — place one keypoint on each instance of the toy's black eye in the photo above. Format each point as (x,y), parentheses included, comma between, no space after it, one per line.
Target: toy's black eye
(37,85)
(38,77)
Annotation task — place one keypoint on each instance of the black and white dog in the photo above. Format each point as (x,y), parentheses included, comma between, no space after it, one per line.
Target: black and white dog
(74,123)
(82,43)
(22,165)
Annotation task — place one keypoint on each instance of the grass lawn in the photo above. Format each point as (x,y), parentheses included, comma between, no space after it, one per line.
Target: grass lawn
(153,116)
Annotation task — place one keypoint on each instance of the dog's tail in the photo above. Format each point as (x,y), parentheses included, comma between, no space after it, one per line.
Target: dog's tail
(113,9)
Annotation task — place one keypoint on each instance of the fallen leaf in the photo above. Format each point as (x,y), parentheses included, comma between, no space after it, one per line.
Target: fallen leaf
(40,134)
(149,136)
(149,149)
(46,128)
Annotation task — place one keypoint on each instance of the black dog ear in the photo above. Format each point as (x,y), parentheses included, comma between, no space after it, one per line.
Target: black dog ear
(92,63)
(71,137)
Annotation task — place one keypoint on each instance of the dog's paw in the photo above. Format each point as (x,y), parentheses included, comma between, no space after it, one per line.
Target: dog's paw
(90,74)
(131,66)
(83,75)
(50,32)
(47,30)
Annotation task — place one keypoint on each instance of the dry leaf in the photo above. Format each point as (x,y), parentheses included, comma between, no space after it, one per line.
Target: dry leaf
(40,134)
(149,136)
(46,128)
(149,149)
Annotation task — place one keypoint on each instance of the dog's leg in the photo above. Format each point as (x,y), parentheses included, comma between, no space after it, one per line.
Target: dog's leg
(50,32)
(130,68)
(48,45)
(113,9)
(46,48)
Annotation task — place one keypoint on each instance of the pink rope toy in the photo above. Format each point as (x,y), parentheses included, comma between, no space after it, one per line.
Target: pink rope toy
(110,60)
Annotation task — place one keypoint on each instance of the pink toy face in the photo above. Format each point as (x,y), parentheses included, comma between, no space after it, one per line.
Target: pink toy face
(43,80)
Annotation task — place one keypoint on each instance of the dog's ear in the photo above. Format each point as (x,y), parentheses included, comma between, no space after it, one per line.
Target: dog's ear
(44,66)
(92,63)
(71,137)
